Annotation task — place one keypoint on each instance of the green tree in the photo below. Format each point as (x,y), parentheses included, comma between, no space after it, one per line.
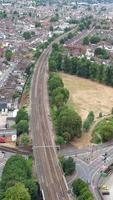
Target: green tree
(22,127)
(54,81)
(21,115)
(17,192)
(8,54)
(16,170)
(37,24)
(32,186)
(59,96)
(59,140)
(101,53)
(25,140)
(88,122)
(69,121)
(68,165)
(67,137)
(86,40)
(27,35)
(95,39)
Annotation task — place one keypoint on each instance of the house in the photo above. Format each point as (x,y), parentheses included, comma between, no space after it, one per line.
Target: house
(10,121)
(3,106)
(10,134)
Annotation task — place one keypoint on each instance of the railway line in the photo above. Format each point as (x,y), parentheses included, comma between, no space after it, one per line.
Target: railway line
(49,173)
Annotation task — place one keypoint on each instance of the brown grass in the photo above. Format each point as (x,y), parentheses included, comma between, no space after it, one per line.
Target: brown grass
(86,95)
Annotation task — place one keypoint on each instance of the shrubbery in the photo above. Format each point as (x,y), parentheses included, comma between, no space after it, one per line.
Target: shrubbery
(66,121)
(88,122)
(81,67)
(81,190)
(103,132)
(22,123)
(68,165)
(18,170)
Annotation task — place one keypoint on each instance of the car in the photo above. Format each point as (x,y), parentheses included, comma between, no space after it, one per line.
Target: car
(104,187)
(2,140)
(105,192)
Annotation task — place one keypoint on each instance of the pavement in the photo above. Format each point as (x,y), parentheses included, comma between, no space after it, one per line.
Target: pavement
(89,164)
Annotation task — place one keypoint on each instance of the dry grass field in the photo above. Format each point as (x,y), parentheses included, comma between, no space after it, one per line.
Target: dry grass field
(85,96)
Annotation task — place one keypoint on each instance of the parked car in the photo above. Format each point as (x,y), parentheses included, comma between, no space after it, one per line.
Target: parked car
(2,140)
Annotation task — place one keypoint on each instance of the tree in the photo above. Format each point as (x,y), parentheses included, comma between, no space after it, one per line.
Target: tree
(104,130)
(32,186)
(21,115)
(88,122)
(68,165)
(101,53)
(37,24)
(54,81)
(78,185)
(86,40)
(69,121)
(95,39)
(17,192)
(66,137)
(81,190)
(59,140)
(25,140)
(16,170)
(27,35)
(60,96)
(8,54)
(22,127)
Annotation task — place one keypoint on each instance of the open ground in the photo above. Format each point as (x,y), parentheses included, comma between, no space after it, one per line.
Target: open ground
(85,96)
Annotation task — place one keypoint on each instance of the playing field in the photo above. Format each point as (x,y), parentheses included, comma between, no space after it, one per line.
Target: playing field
(86,95)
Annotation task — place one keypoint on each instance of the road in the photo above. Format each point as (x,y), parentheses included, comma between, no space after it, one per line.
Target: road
(49,173)
(89,164)
(109,184)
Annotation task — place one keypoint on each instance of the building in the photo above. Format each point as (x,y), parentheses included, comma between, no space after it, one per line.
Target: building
(9,134)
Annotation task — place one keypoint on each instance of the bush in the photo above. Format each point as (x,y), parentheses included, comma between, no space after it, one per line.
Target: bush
(81,190)
(21,115)
(18,170)
(69,121)
(88,122)
(68,165)
(22,127)
(59,140)
(103,130)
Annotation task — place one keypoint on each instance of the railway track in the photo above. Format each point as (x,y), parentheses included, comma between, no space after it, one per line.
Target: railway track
(49,173)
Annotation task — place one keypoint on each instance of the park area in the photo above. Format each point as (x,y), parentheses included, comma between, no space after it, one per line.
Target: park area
(86,96)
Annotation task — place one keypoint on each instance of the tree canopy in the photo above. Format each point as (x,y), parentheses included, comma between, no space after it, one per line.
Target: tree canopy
(17,192)
(69,121)
(81,190)
(18,170)
(68,165)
